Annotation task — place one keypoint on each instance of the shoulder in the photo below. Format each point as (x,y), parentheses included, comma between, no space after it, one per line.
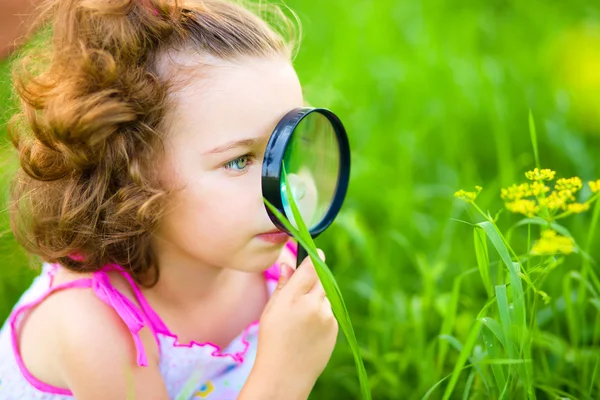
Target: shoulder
(73,338)
(87,324)
(97,347)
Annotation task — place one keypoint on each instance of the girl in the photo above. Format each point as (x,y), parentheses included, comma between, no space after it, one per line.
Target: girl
(140,140)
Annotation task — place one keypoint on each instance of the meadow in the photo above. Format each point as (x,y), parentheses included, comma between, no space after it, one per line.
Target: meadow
(449,299)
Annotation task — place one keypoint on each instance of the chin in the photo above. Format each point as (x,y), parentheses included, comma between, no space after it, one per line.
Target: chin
(254,258)
(261,262)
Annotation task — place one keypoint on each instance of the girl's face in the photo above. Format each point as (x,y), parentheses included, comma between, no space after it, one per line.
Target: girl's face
(216,137)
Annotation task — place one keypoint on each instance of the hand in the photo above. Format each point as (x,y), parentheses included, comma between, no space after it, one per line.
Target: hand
(298,330)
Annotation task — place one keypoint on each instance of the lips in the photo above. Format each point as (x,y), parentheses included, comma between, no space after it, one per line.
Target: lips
(274,236)
(272,232)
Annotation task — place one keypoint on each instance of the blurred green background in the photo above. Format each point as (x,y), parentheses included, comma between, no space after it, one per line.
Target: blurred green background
(435,95)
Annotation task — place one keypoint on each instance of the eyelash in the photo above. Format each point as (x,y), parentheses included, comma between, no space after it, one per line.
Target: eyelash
(248,156)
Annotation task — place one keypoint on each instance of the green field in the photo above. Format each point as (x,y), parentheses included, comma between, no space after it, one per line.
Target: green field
(436,96)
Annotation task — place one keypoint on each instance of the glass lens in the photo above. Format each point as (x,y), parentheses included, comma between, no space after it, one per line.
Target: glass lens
(312,164)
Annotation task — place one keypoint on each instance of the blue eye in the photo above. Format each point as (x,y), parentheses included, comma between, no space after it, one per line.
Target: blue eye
(239,164)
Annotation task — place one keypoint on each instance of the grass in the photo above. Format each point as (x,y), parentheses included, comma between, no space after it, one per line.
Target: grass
(436,96)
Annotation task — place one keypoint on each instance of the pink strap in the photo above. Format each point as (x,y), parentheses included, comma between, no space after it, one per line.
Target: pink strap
(155,322)
(129,313)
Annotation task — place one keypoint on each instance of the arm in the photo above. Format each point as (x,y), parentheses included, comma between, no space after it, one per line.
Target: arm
(97,358)
(262,385)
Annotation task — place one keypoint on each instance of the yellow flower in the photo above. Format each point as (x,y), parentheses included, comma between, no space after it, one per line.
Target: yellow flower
(565,195)
(515,192)
(554,201)
(568,184)
(578,207)
(468,196)
(594,186)
(552,243)
(537,188)
(525,207)
(540,175)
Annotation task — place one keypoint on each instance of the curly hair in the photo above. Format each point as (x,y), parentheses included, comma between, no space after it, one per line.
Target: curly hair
(89,124)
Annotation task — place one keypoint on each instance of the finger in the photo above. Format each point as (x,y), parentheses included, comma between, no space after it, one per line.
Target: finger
(321,254)
(327,309)
(284,277)
(304,277)
(326,303)
(317,289)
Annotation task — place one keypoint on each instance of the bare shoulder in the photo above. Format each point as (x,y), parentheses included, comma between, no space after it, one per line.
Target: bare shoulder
(74,340)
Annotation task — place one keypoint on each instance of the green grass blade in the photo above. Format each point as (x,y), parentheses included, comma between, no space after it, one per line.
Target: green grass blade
(504,310)
(432,389)
(483,260)
(504,393)
(450,318)
(587,270)
(496,239)
(593,226)
(335,297)
(466,351)
(534,142)
(518,298)
(468,386)
(594,374)
(514,328)
(494,352)
(458,346)
(496,329)
(571,310)
(302,229)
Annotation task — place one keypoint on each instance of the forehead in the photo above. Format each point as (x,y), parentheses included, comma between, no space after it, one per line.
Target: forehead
(220,101)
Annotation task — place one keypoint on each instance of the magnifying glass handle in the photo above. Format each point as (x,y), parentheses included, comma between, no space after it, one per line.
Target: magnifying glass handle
(302,254)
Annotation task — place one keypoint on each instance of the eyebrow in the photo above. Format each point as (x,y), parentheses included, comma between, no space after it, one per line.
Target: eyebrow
(232,145)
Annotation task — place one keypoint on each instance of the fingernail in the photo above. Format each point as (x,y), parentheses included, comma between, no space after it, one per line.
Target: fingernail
(321,254)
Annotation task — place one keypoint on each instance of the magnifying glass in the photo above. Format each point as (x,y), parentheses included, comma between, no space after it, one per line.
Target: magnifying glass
(312,145)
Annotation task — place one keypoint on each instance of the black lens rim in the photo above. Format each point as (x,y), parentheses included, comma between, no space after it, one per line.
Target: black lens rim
(272,165)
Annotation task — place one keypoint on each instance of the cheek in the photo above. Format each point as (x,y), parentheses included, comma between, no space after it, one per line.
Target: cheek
(167,169)
(220,202)
(214,207)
